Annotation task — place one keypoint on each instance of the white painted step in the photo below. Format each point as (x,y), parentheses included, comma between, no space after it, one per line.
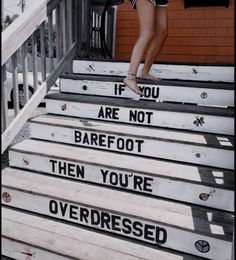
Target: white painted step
(185,117)
(213,94)
(163,71)
(202,149)
(58,241)
(190,229)
(203,186)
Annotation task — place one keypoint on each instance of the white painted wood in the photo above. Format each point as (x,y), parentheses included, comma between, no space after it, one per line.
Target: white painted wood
(148,117)
(143,165)
(4,100)
(50,42)
(164,179)
(19,121)
(63,25)
(25,72)
(203,96)
(26,24)
(69,12)
(35,59)
(14,59)
(37,194)
(163,71)
(22,251)
(58,34)
(127,140)
(65,238)
(43,51)
(160,133)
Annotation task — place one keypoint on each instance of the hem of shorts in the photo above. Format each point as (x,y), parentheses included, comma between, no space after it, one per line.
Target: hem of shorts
(134,5)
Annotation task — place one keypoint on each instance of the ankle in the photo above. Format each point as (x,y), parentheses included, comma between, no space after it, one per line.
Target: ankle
(131,76)
(144,72)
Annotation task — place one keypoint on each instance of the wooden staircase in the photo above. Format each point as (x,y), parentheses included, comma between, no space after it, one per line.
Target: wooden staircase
(105,176)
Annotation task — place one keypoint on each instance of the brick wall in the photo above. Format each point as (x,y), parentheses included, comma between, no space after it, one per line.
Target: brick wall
(197,34)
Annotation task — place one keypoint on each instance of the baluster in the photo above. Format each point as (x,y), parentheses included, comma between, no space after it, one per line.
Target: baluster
(15,84)
(69,22)
(63,23)
(58,34)
(35,60)
(42,51)
(25,72)
(4,100)
(50,42)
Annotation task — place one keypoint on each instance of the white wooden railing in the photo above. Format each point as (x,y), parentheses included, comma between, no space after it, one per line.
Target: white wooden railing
(58,14)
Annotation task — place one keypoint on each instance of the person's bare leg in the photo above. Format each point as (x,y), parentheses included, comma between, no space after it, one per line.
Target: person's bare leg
(146,17)
(161,31)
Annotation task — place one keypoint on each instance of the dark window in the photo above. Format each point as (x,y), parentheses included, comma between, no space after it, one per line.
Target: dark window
(192,3)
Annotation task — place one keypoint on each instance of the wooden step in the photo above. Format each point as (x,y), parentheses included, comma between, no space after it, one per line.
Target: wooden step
(204,186)
(164,71)
(58,241)
(190,229)
(202,149)
(205,93)
(186,117)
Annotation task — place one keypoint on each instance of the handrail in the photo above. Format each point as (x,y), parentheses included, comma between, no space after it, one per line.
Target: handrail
(14,45)
(25,113)
(22,28)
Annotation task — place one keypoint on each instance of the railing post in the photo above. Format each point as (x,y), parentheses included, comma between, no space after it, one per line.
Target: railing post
(4,101)
(85,16)
(15,84)
(63,26)
(69,18)
(25,72)
(58,34)
(35,59)
(50,43)
(42,51)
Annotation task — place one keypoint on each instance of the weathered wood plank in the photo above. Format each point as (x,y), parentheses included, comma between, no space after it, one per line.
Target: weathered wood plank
(64,239)
(58,34)
(34,45)
(25,72)
(205,94)
(137,141)
(186,117)
(26,24)
(4,100)
(18,249)
(163,71)
(150,220)
(50,42)
(10,133)
(14,59)
(63,25)
(69,31)
(161,178)
(43,51)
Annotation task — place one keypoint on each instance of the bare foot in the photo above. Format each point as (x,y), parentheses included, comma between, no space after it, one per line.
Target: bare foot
(149,77)
(131,83)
